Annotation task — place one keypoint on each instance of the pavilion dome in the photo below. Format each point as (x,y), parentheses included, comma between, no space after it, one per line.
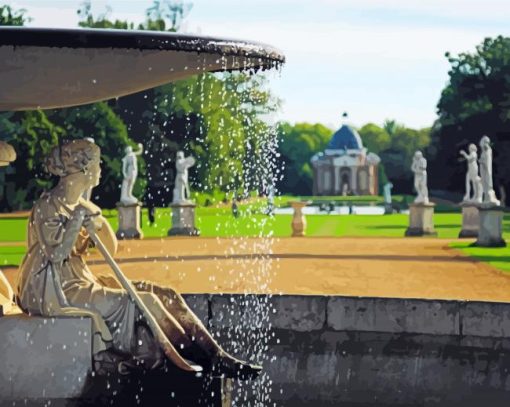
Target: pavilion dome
(346,138)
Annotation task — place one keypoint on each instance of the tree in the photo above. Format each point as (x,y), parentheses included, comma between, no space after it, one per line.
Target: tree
(375,138)
(391,126)
(33,136)
(101,21)
(216,117)
(298,143)
(10,17)
(476,101)
(166,15)
(397,158)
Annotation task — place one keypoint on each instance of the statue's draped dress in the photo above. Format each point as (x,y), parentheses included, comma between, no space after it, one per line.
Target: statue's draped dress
(68,287)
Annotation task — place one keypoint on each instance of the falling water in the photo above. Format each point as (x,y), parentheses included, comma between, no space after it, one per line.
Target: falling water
(244,327)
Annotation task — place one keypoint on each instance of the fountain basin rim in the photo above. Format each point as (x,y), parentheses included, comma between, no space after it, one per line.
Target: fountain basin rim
(135,39)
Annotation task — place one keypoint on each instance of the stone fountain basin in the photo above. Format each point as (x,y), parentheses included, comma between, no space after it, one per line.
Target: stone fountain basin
(44,68)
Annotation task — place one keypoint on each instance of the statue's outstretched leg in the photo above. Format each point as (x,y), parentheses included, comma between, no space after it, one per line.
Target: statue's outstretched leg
(187,332)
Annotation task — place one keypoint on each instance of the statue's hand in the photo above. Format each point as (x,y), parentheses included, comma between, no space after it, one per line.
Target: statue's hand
(90,208)
(93,223)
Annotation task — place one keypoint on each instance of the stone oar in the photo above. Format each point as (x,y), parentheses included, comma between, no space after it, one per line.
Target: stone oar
(158,333)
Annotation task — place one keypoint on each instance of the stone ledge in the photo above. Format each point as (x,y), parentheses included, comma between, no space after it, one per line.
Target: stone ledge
(293,312)
(44,357)
(485,319)
(393,315)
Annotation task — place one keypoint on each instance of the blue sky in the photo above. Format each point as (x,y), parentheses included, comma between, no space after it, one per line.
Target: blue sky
(375,59)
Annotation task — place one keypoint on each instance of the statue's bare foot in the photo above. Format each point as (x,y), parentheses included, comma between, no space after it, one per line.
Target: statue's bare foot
(230,367)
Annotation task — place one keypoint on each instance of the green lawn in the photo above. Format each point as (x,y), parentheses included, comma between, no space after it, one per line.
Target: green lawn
(11,255)
(219,222)
(498,257)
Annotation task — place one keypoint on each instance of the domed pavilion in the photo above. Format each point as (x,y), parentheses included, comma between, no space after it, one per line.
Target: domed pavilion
(345,167)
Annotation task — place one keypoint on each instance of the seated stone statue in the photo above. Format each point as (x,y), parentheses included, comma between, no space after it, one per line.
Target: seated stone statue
(54,279)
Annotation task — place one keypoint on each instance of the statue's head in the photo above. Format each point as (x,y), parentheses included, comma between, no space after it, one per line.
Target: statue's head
(418,155)
(79,158)
(179,155)
(128,150)
(7,154)
(485,141)
(472,148)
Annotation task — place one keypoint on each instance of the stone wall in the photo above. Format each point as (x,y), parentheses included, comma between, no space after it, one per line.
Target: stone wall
(374,351)
(321,351)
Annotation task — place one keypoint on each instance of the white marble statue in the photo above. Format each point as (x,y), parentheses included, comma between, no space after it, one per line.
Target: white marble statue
(489,196)
(473,180)
(130,172)
(419,167)
(181,188)
(387,193)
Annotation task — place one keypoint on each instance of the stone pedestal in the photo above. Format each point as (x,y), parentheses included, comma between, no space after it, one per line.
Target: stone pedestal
(298,220)
(421,220)
(183,220)
(388,208)
(470,219)
(490,232)
(129,221)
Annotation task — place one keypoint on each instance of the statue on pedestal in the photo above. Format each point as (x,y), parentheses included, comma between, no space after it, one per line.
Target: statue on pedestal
(472,177)
(181,188)
(419,167)
(130,172)
(387,193)
(489,196)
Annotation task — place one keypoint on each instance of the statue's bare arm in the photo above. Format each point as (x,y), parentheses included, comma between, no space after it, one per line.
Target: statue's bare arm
(100,226)
(140,149)
(107,236)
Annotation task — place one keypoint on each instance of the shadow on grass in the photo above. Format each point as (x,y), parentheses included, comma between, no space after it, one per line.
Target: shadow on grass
(382,227)
(443,226)
(491,259)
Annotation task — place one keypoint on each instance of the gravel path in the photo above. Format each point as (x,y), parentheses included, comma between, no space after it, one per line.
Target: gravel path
(389,267)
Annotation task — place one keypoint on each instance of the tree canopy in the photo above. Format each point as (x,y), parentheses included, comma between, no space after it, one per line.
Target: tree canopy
(219,118)
(298,143)
(476,101)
